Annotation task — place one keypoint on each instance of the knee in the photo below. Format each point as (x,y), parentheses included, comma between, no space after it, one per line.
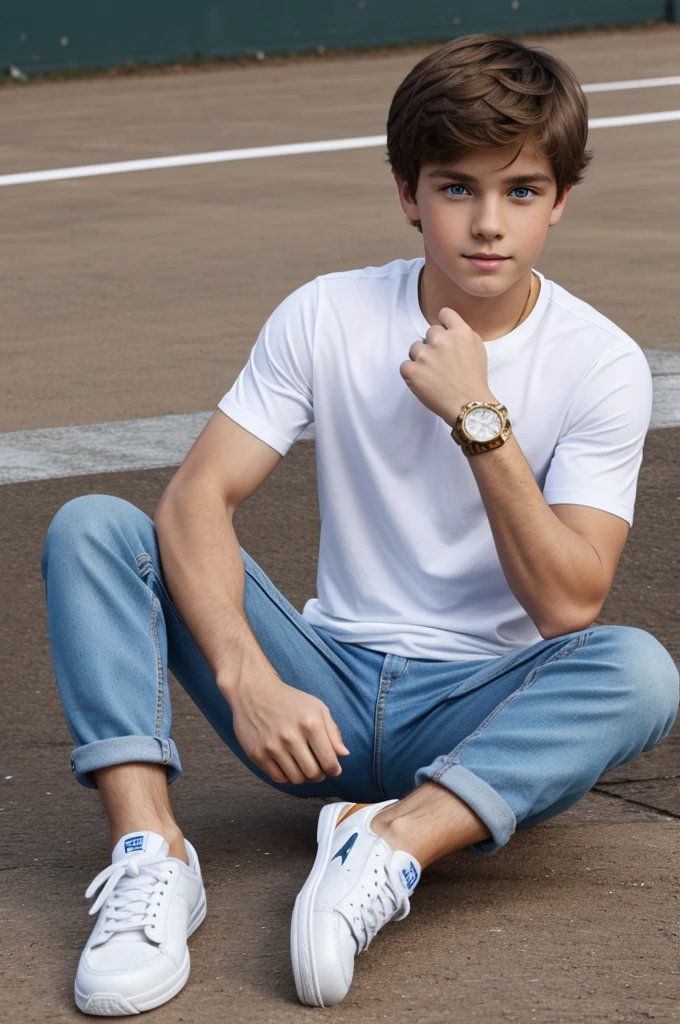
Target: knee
(651,680)
(88,518)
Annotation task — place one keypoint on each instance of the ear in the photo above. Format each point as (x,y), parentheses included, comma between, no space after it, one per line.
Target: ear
(408,203)
(558,208)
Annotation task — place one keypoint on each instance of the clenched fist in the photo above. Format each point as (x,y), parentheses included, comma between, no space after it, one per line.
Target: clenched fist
(448,369)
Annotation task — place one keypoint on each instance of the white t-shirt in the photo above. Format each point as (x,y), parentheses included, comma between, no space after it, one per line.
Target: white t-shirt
(407,561)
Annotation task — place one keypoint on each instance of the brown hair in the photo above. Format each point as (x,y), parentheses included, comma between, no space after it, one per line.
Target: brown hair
(487,90)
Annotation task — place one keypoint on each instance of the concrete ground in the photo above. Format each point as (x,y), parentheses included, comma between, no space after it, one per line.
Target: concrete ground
(141,295)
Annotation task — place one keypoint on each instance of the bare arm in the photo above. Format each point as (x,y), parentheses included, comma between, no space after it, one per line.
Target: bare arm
(204,572)
(287,732)
(555,573)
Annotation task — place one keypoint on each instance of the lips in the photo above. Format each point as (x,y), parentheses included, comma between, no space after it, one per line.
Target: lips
(486,256)
(487,260)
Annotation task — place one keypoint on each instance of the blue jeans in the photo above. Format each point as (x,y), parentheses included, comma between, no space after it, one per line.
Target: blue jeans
(519,738)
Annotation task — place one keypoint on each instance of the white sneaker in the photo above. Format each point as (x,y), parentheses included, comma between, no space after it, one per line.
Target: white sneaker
(136,957)
(357,884)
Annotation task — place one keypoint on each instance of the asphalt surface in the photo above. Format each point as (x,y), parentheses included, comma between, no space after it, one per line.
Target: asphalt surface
(141,295)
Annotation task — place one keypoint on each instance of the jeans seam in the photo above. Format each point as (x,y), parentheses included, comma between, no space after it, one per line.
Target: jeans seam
(155,605)
(149,569)
(454,757)
(146,568)
(278,599)
(378,735)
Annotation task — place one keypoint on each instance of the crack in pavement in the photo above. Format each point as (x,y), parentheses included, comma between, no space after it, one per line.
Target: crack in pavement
(639,803)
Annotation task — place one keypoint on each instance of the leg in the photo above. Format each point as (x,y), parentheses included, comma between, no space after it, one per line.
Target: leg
(136,799)
(590,702)
(429,823)
(114,632)
(530,733)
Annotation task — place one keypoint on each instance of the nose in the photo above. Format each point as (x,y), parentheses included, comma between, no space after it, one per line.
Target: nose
(486,222)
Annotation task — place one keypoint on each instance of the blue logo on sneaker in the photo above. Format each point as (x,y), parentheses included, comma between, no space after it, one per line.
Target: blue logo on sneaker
(344,850)
(134,843)
(410,875)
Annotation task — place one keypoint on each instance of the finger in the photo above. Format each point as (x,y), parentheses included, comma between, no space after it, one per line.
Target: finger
(290,767)
(334,733)
(272,769)
(324,753)
(415,349)
(307,762)
(449,318)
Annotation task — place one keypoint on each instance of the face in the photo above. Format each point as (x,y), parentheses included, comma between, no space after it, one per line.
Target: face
(478,207)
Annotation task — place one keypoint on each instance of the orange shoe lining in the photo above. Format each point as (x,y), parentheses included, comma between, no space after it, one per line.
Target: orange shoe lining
(350,810)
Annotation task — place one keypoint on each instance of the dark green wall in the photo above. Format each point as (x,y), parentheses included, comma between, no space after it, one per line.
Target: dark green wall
(44,35)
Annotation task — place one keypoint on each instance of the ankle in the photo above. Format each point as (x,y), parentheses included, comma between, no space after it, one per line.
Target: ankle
(394,830)
(177,846)
(135,796)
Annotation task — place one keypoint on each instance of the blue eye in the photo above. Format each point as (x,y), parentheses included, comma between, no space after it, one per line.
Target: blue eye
(528,192)
(464,187)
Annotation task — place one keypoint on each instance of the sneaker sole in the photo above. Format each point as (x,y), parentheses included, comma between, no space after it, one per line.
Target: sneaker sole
(111,1004)
(301,937)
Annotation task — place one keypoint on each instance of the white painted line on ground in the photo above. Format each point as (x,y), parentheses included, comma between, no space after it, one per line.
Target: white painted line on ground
(632,83)
(260,152)
(189,159)
(624,119)
(158,441)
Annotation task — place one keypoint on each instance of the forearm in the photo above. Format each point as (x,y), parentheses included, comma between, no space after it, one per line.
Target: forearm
(554,573)
(205,576)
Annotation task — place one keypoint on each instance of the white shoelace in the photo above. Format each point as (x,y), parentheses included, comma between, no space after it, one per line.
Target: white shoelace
(387,902)
(130,905)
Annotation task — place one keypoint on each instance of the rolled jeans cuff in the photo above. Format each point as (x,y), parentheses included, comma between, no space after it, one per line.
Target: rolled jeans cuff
(496,814)
(121,750)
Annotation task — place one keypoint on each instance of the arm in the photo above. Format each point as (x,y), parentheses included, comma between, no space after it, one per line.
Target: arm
(559,560)
(288,733)
(204,573)
(200,552)
(555,574)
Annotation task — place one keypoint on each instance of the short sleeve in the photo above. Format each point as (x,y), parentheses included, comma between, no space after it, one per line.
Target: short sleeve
(272,395)
(599,452)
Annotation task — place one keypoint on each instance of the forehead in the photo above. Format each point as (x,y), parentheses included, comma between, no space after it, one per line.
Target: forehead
(495,162)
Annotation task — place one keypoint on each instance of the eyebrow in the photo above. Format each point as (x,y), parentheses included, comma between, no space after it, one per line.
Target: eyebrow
(513,179)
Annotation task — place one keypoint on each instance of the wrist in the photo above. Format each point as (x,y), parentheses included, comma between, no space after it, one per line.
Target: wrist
(246,676)
(229,685)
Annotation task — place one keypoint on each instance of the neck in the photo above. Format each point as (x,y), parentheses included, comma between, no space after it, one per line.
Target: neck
(490,318)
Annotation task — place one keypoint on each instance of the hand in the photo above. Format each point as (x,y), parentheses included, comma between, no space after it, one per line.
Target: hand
(288,733)
(449,369)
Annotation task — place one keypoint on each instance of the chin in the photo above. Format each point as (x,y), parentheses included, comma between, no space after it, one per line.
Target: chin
(487,289)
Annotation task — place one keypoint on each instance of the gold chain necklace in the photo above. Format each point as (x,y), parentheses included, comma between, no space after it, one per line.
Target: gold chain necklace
(524,309)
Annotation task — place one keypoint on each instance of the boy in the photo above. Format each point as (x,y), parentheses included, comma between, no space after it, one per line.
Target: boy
(479,433)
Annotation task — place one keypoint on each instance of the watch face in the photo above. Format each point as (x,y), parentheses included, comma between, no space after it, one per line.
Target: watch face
(482,424)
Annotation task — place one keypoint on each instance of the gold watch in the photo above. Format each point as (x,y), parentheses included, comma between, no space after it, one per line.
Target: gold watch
(481,427)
